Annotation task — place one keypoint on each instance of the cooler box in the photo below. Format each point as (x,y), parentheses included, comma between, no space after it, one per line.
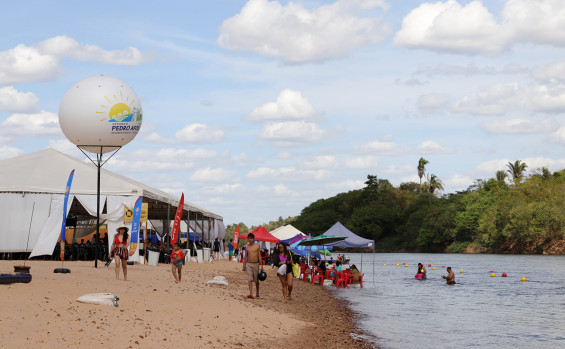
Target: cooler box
(153,258)
(206,255)
(199,256)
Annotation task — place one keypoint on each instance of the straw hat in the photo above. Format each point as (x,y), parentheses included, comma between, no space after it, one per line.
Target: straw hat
(123,226)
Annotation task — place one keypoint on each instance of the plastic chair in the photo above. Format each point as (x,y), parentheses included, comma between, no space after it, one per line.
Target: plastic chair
(341,280)
(329,276)
(317,275)
(303,273)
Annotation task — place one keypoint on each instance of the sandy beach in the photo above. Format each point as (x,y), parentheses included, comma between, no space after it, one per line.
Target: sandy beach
(154,311)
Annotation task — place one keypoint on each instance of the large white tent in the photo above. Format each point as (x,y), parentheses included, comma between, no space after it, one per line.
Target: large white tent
(286,232)
(32,189)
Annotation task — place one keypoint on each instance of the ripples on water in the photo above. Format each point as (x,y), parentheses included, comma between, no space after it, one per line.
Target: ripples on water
(479,311)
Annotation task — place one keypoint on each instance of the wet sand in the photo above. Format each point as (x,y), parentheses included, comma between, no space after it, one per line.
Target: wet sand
(155,311)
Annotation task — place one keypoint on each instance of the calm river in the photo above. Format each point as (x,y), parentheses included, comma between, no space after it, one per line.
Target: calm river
(479,311)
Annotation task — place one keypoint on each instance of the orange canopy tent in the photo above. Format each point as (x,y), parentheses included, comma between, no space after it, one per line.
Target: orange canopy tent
(261,234)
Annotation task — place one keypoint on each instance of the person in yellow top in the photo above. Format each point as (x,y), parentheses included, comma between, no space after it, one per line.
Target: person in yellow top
(177,260)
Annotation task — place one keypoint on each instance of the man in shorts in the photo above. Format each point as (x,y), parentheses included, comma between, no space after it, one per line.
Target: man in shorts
(251,264)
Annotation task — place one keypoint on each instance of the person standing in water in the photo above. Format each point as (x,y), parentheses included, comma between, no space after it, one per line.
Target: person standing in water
(450,277)
(120,251)
(421,270)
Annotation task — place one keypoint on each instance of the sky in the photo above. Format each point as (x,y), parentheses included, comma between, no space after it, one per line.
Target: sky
(255,109)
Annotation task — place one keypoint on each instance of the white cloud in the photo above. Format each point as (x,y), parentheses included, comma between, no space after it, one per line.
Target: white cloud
(63,46)
(399,170)
(291,133)
(384,145)
(25,64)
(520,126)
(488,169)
(152,164)
(290,105)
(284,155)
(216,175)
(431,147)
(66,147)
(227,188)
(12,100)
(458,182)
(551,72)
(41,62)
(7,152)
(471,29)
(295,34)
(349,184)
(491,100)
(449,69)
(558,136)
(175,154)
(200,134)
(362,162)
(321,162)
(43,123)
(450,27)
(287,174)
(432,103)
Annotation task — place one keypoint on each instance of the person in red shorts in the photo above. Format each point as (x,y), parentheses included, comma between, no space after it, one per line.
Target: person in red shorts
(177,260)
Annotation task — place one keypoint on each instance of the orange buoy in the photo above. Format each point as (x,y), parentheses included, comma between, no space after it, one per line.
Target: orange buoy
(492,275)
(429,265)
(524,278)
(504,275)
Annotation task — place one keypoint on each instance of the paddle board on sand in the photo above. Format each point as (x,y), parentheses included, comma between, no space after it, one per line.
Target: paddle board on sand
(99,298)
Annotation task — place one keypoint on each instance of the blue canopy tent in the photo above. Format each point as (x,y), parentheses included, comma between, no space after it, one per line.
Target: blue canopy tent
(352,240)
(305,253)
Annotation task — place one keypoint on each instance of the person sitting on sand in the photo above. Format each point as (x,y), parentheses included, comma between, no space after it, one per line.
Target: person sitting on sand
(286,276)
(450,278)
(251,264)
(120,251)
(177,260)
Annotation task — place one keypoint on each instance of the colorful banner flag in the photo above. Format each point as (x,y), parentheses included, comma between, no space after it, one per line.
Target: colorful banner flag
(64,225)
(134,236)
(176,224)
(236,237)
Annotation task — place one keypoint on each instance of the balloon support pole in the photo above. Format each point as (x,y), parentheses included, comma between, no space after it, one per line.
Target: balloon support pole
(98,163)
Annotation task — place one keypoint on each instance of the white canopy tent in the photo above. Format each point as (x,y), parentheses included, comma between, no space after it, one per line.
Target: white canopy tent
(286,232)
(37,181)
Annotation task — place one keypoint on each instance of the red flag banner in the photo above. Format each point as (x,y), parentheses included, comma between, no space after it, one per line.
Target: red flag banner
(176,224)
(236,237)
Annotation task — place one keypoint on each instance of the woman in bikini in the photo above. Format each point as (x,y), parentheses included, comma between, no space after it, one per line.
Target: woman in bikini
(120,251)
(285,258)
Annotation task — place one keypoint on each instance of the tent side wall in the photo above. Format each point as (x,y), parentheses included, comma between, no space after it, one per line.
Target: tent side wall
(16,216)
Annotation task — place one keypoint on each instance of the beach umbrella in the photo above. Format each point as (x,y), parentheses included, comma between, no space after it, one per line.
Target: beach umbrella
(321,240)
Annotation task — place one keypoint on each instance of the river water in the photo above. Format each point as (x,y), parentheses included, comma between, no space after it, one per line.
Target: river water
(479,311)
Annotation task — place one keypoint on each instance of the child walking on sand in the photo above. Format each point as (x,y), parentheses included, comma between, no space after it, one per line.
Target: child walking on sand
(177,260)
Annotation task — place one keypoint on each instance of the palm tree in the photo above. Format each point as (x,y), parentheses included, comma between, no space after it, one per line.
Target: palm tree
(516,170)
(501,175)
(422,168)
(432,184)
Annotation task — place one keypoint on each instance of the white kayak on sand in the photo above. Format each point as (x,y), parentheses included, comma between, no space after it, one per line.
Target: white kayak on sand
(99,298)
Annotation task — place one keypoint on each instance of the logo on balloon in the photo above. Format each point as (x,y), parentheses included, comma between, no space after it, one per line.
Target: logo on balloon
(121,113)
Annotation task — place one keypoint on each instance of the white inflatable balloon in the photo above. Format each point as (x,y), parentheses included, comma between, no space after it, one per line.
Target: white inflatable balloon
(100,114)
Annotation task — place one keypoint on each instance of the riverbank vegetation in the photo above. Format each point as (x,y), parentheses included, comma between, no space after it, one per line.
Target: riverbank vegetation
(508,213)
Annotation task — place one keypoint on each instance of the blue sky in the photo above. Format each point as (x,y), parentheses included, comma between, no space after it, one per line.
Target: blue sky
(254,109)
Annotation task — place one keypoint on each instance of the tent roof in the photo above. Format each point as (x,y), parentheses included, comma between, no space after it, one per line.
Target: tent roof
(261,234)
(46,171)
(286,232)
(351,240)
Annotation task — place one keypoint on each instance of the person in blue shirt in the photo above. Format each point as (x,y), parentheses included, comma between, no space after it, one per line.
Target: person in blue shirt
(230,249)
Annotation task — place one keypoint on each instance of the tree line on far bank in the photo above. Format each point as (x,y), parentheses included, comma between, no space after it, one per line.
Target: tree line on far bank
(508,213)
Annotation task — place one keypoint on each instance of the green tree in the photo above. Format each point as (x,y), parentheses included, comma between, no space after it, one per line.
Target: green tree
(501,175)
(433,184)
(422,168)
(516,170)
